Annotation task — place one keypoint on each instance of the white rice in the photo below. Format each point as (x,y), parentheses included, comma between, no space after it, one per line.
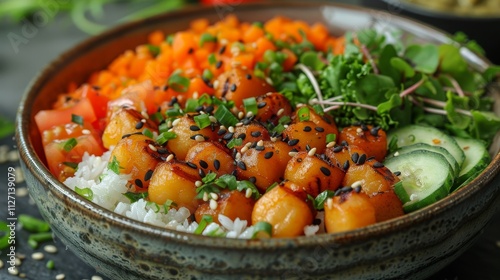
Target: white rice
(108,189)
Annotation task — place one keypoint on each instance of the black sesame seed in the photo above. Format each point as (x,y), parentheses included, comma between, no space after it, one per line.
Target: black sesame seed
(293,142)
(233,87)
(308,147)
(209,109)
(139,125)
(355,157)
(199,108)
(346,165)
(248,76)
(138,182)
(338,149)
(319,129)
(294,150)
(228,136)
(190,51)
(96,87)
(234,152)
(337,192)
(317,222)
(126,135)
(268,155)
(216,164)
(397,173)
(364,127)
(361,159)
(346,189)
(192,165)
(246,121)
(234,172)
(370,158)
(260,148)
(194,128)
(203,164)
(172,101)
(378,164)
(201,173)
(222,49)
(218,64)
(254,144)
(252,180)
(261,105)
(162,151)
(241,165)
(357,189)
(307,128)
(344,143)
(242,136)
(148,175)
(325,171)
(221,131)
(374,131)
(256,133)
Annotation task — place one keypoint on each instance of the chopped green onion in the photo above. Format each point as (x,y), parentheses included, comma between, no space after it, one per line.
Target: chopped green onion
(73,165)
(174,112)
(146,132)
(165,136)
(170,39)
(202,121)
(33,224)
(205,221)
(157,116)
(303,113)
(274,185)
(258,24)
(153,206)
(168,204)
(37,238)
(191,105)
(235,142)
(133,197)
(319,201)
(114,165)
(207,75)
(77,119)
(70,144)
(205,99)
(278,129)
(210,177)
(212,59)
(262,230)
(154,50)
(285,120)
(85,192)
(331,137)
(178,82)
(163,128)
(207,37)
(244,185)
(50,264)
(32,243)
(250,105)
(225,117)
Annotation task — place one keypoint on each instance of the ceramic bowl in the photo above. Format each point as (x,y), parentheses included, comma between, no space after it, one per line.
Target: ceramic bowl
(410,247)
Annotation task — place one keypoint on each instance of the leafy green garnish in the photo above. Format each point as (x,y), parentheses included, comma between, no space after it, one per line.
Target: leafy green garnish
(85,192)
(178,82)
(114,165)
(319,201)
(134,197)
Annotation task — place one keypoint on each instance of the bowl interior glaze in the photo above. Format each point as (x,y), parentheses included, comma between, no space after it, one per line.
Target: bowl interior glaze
(96,53)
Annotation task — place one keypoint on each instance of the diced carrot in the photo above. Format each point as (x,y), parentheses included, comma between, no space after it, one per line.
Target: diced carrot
(156,37)
(290,59)
(252,34)
(184,43)
(245,60)
(262,45)
(199,25)
(318,35)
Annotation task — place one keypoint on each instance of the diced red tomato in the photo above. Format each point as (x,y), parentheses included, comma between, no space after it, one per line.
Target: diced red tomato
(99,102)
(46,119)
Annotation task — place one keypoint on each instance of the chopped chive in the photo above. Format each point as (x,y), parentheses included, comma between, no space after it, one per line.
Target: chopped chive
(205,98)
(163,127)
(33,224)
(191,105)
(73,165)
(41,237)
(70,144)
(32,243)
(77,119)
(331,137)
(212,59)
(262,230)
(207,75)
(174,112)
(207,37)
(146,132)
(85,192)
(250,105)
(168,204)
(154,50)
(178,82)
(50,264)
(133,197)
(205,221)
(225,117)
(235,142)
(303,113)
(165,136)
(157,116)
(202,121)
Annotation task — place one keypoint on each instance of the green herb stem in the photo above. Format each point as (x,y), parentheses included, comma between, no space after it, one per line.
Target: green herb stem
(309,74)
(441,104)
(336,105)
(411,89)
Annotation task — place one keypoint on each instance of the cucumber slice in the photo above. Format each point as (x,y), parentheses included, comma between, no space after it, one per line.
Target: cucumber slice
(426,178)
(437,149)
(476,160)
(411,134)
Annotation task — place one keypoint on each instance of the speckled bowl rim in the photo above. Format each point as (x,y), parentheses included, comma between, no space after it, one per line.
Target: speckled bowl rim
(94,211)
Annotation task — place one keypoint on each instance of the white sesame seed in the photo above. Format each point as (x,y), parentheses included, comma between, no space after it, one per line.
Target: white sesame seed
(248,193)
(269,93)
(195,95)
(254,45)
(60,276)
(153,148)
(396,154)
(169,158)
(241,115)
(95,277)
(238,156)
(175,122)
(22,275)
(216,84)
(274,139)
(1,264)
(235,63)
(21,256)
(212,119)
(329,203)
(249,114)
(331,144)
(50,249)
(356,184)
(214,196)
(238,124)
(292,154)
(222,127)
(13,155)
(359,130)
(312,152)
(170,130)
(498,244)
(231,129)
(198,184)
(213,204)
(199,138)
(18,261)
(223,41)
(37,256)
(86,132)
(169,123)
(280,112)
(205,196)
(235,50)
(260,143)
(285,126)
(143,120)
(145,114)
(269,81)
(13,270)
(22,192)
(244,67)
(244,149)
(248,144)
